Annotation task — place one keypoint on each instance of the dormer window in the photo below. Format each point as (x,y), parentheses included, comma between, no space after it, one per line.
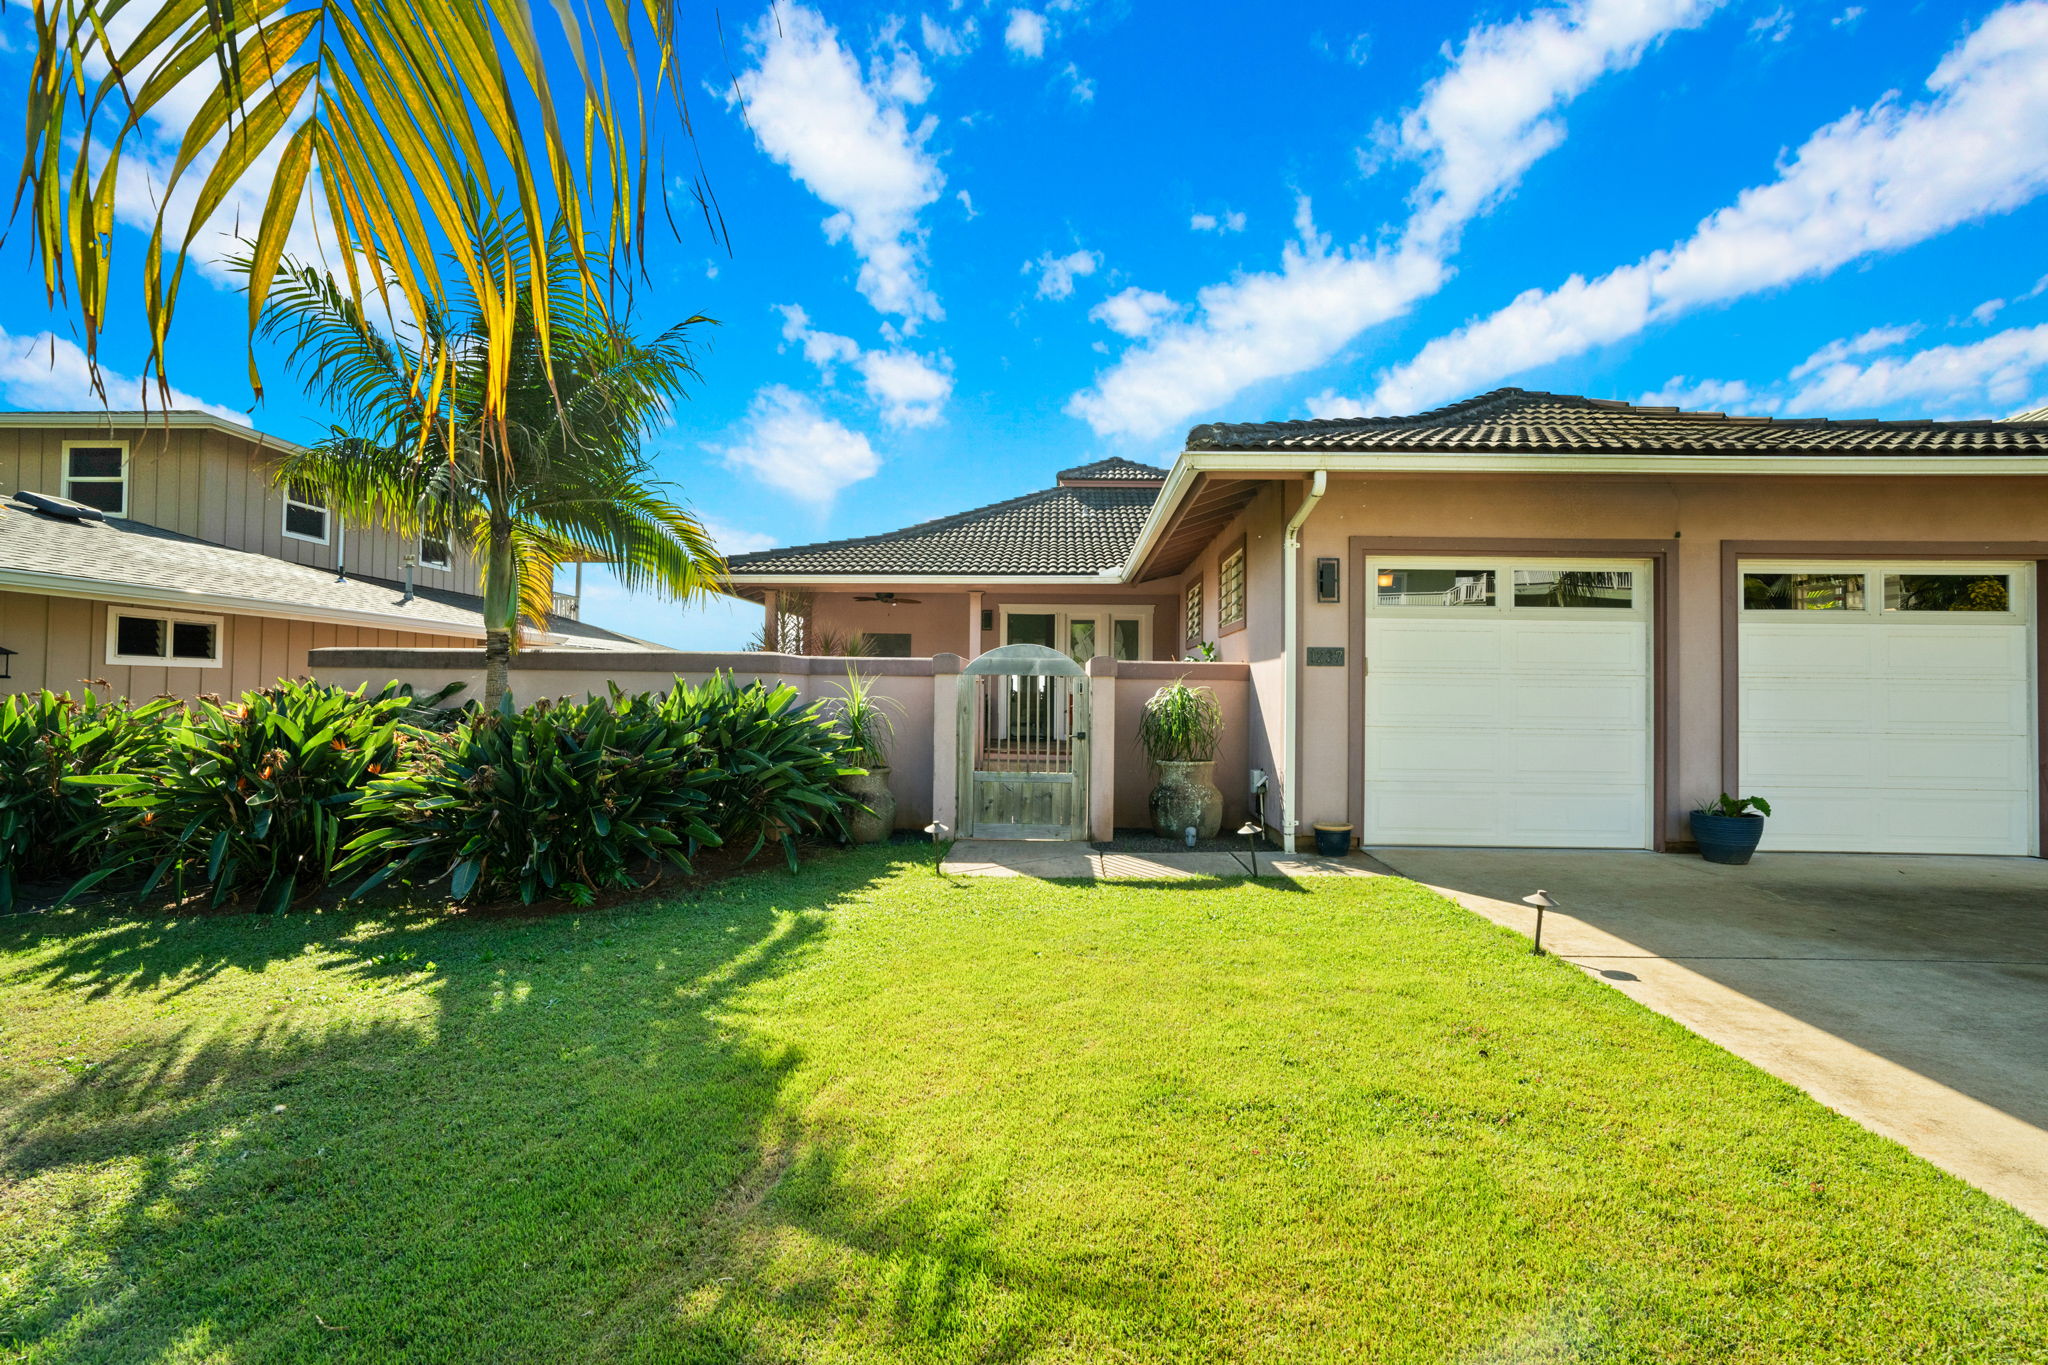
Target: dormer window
(96,474)
(305,516)
(433,552)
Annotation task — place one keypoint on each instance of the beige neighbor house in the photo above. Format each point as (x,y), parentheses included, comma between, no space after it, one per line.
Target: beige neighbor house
(1523,619)
(145,554)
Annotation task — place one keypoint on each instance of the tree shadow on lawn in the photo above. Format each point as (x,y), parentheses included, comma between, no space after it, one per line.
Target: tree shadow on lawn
(545,1139)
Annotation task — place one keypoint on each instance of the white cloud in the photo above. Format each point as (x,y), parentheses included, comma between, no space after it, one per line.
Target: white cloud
(1986,378)
(1080,89)
(47,372)
(1228,221)
(1056,274)
(967,204)
(731,540)
(942,41)
(1985,311)
(788,444)
(1847,16)
(1863,343)
(848,138)
(1135,312)
(1774,27)
(1877,179)
(1708,395)
(1025,33)
(1475,131)
(907,389)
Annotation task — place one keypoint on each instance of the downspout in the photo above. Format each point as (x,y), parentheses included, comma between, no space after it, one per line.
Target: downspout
(1290,660)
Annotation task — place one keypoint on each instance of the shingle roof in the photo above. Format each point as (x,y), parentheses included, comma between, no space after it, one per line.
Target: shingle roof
(1053,531)
(1524,420)
(128,556)
(1114,469)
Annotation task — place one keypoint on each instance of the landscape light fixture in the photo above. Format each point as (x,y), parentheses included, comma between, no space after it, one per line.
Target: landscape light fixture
(1250,831)
(1542,901)
(937,831)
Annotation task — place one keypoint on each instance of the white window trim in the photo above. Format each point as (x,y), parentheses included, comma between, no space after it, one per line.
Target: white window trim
(2019,582)
(169,618)
(284,519)
(64,479)
(1103,614)
(1643,587)
(419,555)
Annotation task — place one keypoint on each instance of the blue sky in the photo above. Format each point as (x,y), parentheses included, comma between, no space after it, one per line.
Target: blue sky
(973,244)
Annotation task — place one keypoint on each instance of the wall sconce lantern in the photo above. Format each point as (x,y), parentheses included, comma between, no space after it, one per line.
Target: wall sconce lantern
(6,662)
(1327,579)
(1386,578)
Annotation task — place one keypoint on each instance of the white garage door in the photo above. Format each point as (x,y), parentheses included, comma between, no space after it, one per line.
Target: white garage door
(1507,702)
(1889,707)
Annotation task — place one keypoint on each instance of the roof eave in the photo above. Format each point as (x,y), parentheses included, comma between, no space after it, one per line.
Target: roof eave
(184,421)
(186,599)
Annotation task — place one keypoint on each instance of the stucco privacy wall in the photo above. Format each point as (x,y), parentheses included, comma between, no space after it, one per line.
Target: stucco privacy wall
(909,684)
(1693,515)
(61,643)
(217,487)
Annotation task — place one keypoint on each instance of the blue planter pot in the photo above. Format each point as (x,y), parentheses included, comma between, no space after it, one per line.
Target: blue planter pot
(1727,838)
(1333,841)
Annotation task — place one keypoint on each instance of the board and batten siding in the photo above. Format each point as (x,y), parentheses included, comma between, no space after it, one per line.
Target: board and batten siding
(216,487)
(61,643)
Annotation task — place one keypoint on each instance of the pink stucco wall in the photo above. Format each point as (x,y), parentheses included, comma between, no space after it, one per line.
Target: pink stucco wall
(937,622)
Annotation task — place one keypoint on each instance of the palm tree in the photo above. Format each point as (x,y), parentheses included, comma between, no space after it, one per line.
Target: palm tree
(556,475)
(390,127)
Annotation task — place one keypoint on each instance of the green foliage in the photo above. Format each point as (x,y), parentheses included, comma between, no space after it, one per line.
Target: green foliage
(247,794)
(1724,804)
(557,799)
(777,764)
(865,718)
(47,822)
(1181,724)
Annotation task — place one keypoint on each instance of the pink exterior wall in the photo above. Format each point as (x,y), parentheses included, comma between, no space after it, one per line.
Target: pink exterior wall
(937,622)
(1693,514)
(1135,684)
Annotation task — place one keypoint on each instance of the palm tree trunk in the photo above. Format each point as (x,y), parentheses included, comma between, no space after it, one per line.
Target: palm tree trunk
(501,612)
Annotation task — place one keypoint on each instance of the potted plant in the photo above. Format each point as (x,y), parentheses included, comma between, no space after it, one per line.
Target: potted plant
(1729,827)
(1178,732)
(864,716)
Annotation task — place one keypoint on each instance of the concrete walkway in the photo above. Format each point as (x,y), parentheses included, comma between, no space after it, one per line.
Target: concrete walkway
(1053,860)
(1910,994)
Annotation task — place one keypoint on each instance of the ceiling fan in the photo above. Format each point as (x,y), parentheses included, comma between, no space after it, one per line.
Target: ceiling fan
(887,599)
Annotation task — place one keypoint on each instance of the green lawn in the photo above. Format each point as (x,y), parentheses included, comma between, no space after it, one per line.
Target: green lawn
(865,1114)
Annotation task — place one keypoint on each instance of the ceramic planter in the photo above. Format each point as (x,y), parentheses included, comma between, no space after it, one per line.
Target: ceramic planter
(875,823)
(1186,796)
(1333,841)
(1727,838)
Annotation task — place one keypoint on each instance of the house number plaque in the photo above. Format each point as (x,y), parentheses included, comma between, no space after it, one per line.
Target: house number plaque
(1326,656)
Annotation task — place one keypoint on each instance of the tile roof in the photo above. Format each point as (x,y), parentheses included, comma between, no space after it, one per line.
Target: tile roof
(1080,530)
(1114,469)
(127,556)
(1541,423)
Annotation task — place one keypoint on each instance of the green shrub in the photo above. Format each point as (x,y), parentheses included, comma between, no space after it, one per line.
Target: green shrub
(1181,724)
(47,823)
(559,798)
(776,764)
(249,793)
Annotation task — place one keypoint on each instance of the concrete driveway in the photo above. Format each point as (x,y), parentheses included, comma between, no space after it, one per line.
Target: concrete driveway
(1909,993)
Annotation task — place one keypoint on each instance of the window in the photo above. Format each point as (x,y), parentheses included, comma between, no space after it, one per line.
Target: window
(146,637)
(1435,588)
(1230,589)
(1802,592)
(1127,639)
(97,475)
(885,645)
(433,552)
(305,516)
(1594,588)
(1193,634)
(1947,592)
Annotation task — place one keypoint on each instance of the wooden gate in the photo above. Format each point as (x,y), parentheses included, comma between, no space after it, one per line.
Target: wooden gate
(1024,745)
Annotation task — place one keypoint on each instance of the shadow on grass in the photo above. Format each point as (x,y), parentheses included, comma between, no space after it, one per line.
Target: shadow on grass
(547,1138)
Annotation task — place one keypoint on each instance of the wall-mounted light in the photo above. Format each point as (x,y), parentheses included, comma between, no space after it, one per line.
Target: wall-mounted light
(1386,578)
(1328,579)
(6,662)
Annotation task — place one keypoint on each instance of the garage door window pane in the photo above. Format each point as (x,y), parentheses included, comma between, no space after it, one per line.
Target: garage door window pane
(1947,592)
(1575,588)
(1802,591)
(1435,587)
